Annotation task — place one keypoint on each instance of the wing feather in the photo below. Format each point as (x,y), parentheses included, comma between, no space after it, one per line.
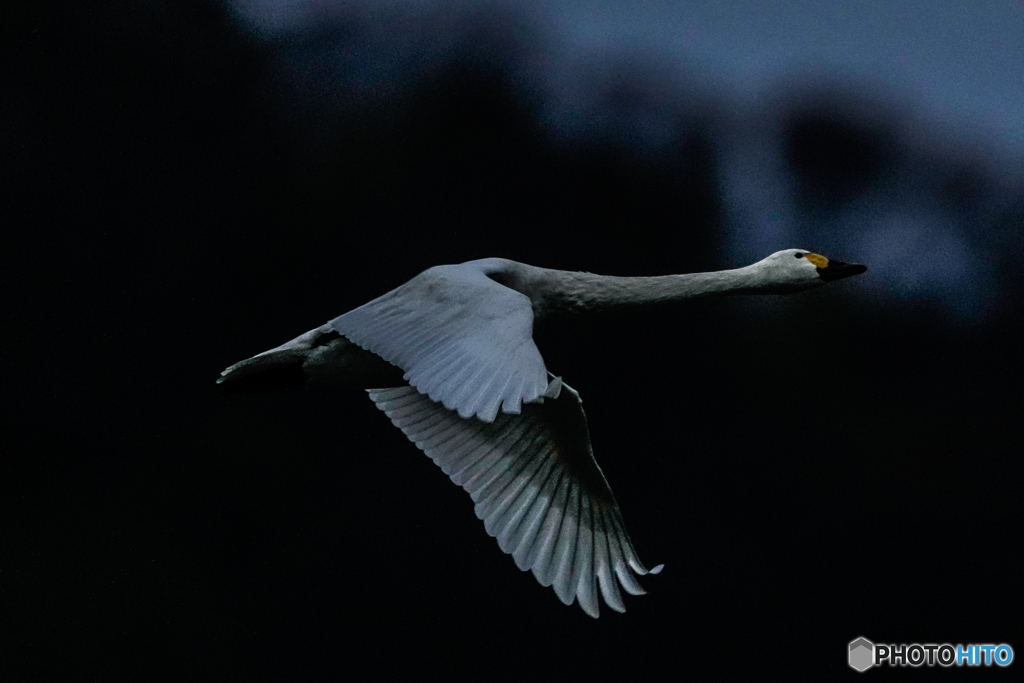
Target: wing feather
(603,565)
(565,550)
(547,538)
(583,564)
(536,487)
(523,553)
(461,338)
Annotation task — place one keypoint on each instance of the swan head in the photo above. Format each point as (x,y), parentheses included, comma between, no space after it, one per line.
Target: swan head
(793,270)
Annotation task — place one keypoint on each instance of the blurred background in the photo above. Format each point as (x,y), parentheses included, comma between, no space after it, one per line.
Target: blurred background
(190,182)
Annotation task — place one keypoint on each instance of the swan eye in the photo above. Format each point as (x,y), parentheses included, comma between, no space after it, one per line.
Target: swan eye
(798,255)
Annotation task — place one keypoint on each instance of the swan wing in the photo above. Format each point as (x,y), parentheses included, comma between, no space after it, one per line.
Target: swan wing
(536,486)
(461,338)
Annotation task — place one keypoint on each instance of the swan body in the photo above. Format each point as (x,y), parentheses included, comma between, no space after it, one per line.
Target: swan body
(450,358)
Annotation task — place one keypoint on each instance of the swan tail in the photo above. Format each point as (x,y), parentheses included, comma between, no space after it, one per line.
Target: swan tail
(318,359)
(266,372)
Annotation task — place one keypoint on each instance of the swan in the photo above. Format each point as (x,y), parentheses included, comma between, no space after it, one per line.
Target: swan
(450,358)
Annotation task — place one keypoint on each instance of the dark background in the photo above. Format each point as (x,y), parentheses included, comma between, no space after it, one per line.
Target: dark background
(185,186)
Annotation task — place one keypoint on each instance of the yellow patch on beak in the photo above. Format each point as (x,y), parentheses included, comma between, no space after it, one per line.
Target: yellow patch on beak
(817,259)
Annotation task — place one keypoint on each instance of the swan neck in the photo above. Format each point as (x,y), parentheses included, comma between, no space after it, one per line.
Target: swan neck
(554,291)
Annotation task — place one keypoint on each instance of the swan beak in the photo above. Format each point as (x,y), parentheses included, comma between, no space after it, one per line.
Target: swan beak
(835,270)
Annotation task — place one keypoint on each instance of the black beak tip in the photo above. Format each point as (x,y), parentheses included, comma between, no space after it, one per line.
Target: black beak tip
(837,270)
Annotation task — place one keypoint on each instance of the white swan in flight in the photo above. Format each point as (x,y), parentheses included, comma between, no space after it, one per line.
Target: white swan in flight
(450,358)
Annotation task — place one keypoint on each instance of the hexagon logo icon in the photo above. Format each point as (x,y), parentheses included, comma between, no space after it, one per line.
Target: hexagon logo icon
(862,654)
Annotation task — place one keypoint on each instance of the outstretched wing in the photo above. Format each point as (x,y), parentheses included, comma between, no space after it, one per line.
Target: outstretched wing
(536,486)
(461,338)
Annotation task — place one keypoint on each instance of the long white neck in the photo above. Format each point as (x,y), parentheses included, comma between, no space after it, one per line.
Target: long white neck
(560,291)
